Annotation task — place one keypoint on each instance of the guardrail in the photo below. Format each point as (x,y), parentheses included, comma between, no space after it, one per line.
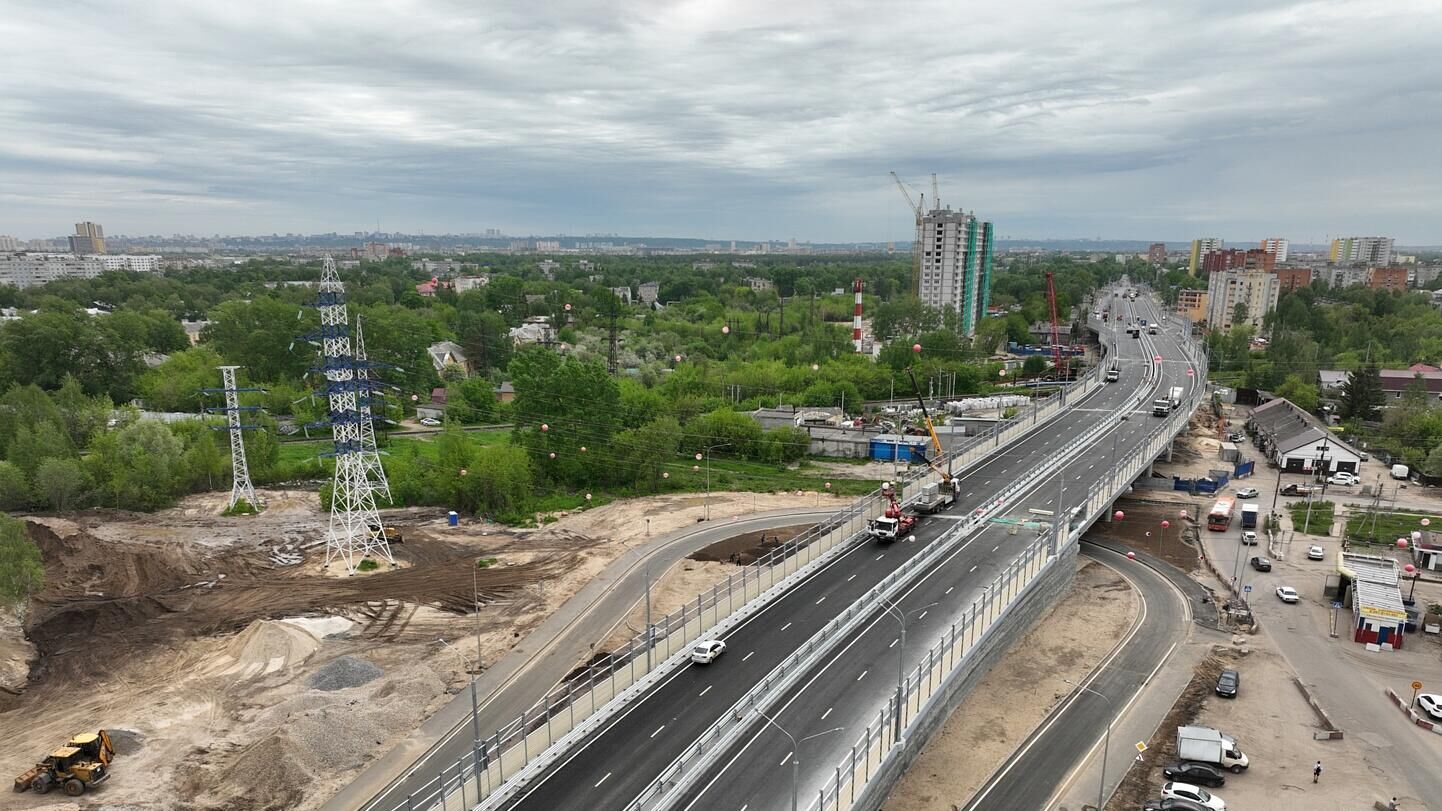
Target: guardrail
(520,748)
(884,736)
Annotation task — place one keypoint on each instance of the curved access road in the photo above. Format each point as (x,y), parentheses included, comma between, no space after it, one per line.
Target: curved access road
(1057,748)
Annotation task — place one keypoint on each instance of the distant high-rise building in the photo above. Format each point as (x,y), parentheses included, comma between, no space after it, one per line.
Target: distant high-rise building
(1276,246)
(1257,292)
(1293,278)
(1157,253)
(9,243)
(1387,278)
(1223,259)
(1361,250)
(955,271)
(89,238)
(1200,248)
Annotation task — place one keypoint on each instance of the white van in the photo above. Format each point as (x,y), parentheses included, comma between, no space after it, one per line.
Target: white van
(1400,472)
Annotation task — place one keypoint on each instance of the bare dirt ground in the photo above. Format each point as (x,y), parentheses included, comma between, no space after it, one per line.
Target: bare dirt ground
(169,627)
(1064,646)
(1141,528)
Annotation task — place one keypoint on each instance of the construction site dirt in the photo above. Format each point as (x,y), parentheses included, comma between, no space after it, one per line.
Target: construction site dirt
(238,682)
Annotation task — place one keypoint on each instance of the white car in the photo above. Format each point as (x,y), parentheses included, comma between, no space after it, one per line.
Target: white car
(1431,703)
(1249,538)
(1316,553)
(1247,492)
(705,651)
(1343,478)
(1197,794)
(1287,594)
(430,422)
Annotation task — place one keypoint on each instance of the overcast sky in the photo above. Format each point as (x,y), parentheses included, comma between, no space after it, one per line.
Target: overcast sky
(1158,119)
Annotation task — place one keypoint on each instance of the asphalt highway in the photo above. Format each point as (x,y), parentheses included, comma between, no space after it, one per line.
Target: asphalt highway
(845,693)
(618,761)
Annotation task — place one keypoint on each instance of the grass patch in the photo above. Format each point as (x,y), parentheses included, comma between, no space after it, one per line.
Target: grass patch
(242,507)
(1386,527)
(367,565)
(1321,521)
(486,563)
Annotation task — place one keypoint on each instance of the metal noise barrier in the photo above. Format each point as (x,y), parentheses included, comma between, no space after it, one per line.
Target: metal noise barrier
(489,772)
(676,777)
(951,652)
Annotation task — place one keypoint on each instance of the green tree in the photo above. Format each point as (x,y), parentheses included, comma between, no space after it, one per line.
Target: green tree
(263,335)
(176,384)
(1033,366)
(62,483)
(500,480)
(577,402)
(21,569)
(1303,395)
(1433,466)
(14,489)
(138,466)
(471,401)
(1362,396)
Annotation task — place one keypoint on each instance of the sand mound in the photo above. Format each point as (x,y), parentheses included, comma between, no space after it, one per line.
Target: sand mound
(347,671)
(266,646)
(322,627)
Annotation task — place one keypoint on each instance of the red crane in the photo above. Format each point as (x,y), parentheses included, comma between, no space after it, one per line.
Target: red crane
(1057,360)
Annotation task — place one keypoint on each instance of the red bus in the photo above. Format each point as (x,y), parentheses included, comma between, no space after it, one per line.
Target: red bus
(1220,518)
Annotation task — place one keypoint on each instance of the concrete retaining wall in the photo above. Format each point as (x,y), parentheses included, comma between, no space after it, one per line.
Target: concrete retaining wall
(1038,598)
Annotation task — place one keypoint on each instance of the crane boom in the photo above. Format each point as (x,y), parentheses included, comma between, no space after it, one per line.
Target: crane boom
(1055,332)
(915,208)
(935,193)
(930,429)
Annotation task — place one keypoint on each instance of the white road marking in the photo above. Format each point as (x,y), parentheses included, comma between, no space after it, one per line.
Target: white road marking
(786,759)
(748,656)
(658,730)
(948,591)
(828,712)
(851,578)
(972,570)
(994,548)
(707,690)
(923,615)
(602,780)
(787,625)
(822,600)
(893,643)
(863,675)
(880,556)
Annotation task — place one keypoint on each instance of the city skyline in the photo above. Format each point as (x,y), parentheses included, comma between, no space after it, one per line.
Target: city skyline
(749,121)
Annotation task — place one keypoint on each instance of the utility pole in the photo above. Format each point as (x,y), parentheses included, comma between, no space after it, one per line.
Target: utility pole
(613,334)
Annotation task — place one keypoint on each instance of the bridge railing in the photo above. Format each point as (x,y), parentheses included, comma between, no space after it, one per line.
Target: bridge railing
(519,750)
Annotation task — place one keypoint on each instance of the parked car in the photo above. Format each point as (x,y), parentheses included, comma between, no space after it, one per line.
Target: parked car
(1227,683)
(1298,490)
(1200,774)
(705,651)
(1247,492)
(1249,538)
(1316,553)
(1236,436)
(1261,564)
(1343,478)
(1172,804)
(1197,794)
(1431,703)
(1287,594)
(430,422)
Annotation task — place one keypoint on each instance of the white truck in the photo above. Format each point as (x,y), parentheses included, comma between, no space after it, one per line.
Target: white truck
(1207,745)
(935,497)
(1175,396)
(1161,407)
(1400,472)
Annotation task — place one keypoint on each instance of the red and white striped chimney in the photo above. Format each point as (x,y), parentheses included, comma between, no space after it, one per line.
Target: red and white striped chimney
(856,320)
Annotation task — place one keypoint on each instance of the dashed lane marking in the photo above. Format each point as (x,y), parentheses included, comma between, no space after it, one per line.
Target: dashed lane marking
(707,690)
(863,675)
(602,780)
(658,730)
(748,656)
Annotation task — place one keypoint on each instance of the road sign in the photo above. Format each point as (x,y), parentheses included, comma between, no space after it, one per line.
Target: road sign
(1141,746)
(1416,685)
(1246,589)
(1336,604)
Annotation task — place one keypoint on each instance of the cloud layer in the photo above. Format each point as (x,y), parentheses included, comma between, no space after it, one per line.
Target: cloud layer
(1146,120)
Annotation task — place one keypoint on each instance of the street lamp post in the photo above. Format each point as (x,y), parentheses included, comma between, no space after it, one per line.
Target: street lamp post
(1106,744)
(901,616)
(475,703)
(795,752)
(650,634)
(710,448)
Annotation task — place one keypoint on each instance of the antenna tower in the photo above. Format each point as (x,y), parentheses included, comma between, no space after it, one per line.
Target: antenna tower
(366,393)
(355,529)
(240,486)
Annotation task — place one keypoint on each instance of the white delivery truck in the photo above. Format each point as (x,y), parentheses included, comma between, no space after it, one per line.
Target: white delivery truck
(1207,745)
(1400,472)
(1175,396)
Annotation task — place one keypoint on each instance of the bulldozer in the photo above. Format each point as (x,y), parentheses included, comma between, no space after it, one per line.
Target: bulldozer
(82,763)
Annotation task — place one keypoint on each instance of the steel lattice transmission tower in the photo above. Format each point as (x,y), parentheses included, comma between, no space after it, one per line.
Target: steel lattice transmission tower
(355,530)
(366,394)
(240,486)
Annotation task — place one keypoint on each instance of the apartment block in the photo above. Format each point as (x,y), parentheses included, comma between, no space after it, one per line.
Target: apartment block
(1277,246)
(89,238)
(1192,305)
(1157,253)
(1256,291)
(1387,278)
(1289,279)
(9,243)
(1224,259)
(955,268)
(30,269)
(1201,247)
(1373,251)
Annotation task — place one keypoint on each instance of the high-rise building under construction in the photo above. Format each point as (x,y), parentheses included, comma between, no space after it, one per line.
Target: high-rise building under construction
(954,264)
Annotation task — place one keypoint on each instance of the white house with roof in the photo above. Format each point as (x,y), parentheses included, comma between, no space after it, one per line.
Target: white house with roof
(448,353)
(1378,614)
(1297,442)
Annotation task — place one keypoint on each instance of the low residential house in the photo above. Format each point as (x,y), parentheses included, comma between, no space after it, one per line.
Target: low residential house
(1395,383)
(760,285)
(436,408)
(1297,442)
(506,392)
(429,289)
(622,293)
(1427,550)
(649,292)
(449,354)
(548,268)
(464,283)
(535,330)
(1331,381)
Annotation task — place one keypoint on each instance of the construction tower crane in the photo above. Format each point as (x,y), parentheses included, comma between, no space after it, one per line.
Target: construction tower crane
(935,193)
(1055,331)
(919,210)
(935,460)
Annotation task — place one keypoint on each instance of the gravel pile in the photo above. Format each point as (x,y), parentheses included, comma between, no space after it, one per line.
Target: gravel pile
(347,671)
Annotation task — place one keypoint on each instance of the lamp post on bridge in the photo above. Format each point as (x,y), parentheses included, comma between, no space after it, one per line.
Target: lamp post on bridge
(895,611)
(795,752)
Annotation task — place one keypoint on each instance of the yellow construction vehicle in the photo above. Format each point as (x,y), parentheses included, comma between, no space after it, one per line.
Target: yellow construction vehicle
(935,459)
(80,764)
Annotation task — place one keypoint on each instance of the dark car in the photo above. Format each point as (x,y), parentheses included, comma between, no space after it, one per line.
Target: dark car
(1201,774)
(1261,564)
(1228,682)
(1173,804)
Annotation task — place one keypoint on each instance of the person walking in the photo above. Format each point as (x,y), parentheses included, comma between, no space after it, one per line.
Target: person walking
(1393,806)
(1316,771)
